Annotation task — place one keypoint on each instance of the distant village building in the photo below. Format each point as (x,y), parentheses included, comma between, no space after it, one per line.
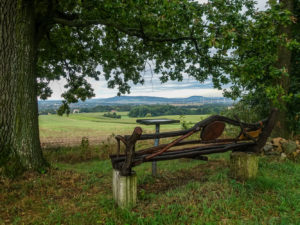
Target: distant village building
(76,111)
(113,111)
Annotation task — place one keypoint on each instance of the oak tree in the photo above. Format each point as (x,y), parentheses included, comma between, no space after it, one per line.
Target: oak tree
(46,40)
(266,70)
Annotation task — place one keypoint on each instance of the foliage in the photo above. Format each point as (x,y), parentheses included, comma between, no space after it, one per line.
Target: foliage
(108,108)
(184,124)
(293,106)
(44,110)
(220,40)
(255,66)
(246,112)
(64,108)
(161,110)
(85,150)
(257,74)
(47,111)
(172,37)
(84,143)
(112,115)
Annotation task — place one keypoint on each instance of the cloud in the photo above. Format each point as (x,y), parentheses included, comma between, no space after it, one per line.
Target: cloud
(154,87)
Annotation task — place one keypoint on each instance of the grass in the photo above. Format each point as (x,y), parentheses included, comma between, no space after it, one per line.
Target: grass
(56,130)
(77,189)
(186,192)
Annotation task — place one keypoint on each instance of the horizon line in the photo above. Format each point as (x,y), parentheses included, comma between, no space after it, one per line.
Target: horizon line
(141,96)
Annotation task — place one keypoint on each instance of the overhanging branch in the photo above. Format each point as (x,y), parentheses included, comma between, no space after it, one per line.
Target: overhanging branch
(131,31)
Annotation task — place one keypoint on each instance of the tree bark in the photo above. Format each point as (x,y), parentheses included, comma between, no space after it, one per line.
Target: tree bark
(19,133)
(284,61)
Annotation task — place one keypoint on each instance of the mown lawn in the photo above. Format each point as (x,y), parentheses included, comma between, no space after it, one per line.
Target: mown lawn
(186,192)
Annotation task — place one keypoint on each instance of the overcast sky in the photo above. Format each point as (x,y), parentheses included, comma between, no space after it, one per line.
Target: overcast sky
(153,87)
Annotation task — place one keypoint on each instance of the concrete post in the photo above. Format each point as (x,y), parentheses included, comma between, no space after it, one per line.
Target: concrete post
(124,189)
(243,165)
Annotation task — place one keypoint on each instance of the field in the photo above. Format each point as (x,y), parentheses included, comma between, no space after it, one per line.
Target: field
(62,131)
(77,187)
(186,192)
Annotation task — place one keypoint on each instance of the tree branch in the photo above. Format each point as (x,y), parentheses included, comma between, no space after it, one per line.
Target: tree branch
(131,31)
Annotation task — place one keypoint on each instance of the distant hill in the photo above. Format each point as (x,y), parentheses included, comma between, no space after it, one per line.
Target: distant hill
(138,100)
(158,100)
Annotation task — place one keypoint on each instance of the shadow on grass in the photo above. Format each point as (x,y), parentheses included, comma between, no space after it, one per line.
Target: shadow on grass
(169,180)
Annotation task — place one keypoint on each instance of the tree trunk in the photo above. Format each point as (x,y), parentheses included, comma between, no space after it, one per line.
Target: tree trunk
(19,133)
(284,61)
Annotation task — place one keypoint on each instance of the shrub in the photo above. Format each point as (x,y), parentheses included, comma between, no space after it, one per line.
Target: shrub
(112,115)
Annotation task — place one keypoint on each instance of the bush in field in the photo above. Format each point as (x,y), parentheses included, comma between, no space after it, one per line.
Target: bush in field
(84,143)
(108,147)
(112,115)
(184,124)
(85,150)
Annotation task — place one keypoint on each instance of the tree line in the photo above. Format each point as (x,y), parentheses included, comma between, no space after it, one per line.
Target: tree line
(107,108)
(98,108)
(162,110)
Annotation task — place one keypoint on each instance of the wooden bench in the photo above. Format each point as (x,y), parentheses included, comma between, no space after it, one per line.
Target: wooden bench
(252,138)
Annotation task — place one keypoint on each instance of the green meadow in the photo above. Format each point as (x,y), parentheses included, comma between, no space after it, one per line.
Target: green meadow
(69,130)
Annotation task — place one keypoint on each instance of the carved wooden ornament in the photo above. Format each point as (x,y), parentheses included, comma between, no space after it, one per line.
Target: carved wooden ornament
(212,131)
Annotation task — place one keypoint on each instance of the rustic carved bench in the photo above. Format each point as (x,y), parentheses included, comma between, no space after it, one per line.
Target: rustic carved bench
(252,138)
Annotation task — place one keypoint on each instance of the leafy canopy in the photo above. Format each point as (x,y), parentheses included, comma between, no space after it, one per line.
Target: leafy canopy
(226,41)
(257,76)
(119,39)
(255,67)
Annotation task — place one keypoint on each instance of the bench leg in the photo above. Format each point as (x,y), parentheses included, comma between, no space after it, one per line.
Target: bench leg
(243,165)
(124,189)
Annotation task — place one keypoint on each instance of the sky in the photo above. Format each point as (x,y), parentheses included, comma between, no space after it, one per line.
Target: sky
(152,86)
